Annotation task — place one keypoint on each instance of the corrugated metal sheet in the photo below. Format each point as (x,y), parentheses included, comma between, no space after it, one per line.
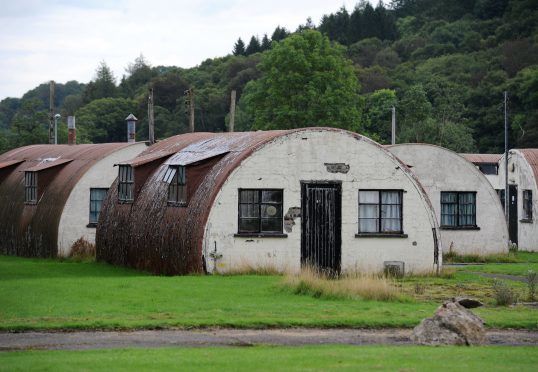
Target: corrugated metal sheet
(8,163)
(482,158)
(531,155)
(48,163)
(149,235)
(32,230)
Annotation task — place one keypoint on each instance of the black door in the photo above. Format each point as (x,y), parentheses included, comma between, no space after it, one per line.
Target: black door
(512,213)
(321,226)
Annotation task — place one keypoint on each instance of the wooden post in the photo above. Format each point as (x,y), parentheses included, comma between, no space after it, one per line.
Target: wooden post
(51,112)
(151,118)
(191,109)
(232,111)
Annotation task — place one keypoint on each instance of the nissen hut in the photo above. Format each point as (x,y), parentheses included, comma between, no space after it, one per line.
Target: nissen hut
(523,196)
(218,201)
(51,195)
(469,211)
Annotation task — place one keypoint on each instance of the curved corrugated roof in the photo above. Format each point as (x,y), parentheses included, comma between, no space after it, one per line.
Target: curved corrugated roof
(483,158)
(31,230)
(149,236)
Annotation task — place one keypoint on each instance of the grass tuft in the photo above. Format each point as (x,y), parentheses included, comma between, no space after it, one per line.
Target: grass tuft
(348,286)
(82,250)
(453,257)
(248,268)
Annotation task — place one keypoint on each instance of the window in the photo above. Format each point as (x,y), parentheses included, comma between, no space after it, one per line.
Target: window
(527,204)
(30,187)
(380,211)
(177,190)
(489,168)
(458,209)
(125,184)
(97,195)
(260,211)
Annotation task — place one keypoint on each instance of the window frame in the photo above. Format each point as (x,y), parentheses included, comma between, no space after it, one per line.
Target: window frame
(126,184)
(30,187)
(90,222)
(379,232)
(526,207)
(174,181)
(458,225)
(260,231)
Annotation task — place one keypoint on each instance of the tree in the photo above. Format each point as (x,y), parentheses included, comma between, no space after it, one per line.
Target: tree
(30,124)
(102,86)
(239,48)
(266,43)
(279,34)
(253,46)
(103,120)
(377,114)
(305,81)
(139,74)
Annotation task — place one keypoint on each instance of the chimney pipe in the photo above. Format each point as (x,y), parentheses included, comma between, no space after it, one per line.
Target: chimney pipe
(71,131)
(131,128)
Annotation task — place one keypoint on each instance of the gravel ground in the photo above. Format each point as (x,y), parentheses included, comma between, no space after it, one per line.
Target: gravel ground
(230,337)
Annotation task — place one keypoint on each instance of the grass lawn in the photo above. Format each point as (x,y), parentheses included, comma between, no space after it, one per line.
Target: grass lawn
(520,269)
(267,358)
(52,294)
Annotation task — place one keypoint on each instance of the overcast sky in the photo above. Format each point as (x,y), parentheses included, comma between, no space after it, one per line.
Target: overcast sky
(65,40)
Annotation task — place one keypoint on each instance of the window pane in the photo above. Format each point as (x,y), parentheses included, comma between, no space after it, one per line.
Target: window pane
(272,196)
(249,225)
(368,211)
(391,225)
(390,197)
(248,196)
(390,211)
(369,197)
(271,210)
(449,197)
(271,224)
(368,225)
(249,210)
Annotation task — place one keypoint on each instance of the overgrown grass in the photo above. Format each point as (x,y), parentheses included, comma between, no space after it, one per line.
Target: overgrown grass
(279,358)
(518,269)
(348,286)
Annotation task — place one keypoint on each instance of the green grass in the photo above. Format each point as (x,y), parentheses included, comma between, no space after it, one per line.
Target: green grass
(510,257)
(52,294)
(278,358)
(519,269)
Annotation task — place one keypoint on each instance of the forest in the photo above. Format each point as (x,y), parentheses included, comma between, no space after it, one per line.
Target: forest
(444,66)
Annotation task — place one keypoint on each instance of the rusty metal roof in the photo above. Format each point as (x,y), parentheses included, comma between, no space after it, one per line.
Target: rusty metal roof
(8,163)
(483,158)
(149,236)
(531,156)
(32,230)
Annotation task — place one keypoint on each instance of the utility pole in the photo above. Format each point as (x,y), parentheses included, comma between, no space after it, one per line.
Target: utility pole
(232,111)
(189,107)
(506,191)
(151,118)
(393,141)
(51,112)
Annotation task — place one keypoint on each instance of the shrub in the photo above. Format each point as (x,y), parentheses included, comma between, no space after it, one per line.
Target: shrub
(504,294)
(351,286)
(82,250)
(532,281)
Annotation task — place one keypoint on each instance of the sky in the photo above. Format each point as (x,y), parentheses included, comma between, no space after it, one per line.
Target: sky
(65,40)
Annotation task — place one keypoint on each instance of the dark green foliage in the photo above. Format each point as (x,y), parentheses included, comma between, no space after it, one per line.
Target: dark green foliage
(239,48)
(305,82)
(30,124)
(254,46)
(102,86)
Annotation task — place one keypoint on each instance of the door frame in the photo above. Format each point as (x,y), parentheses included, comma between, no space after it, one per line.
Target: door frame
(513,219)
(337,185)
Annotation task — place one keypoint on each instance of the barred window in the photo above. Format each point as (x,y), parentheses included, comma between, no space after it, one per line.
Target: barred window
(527,204)
(175,176)
(97,195)
(458,209)
(126,184)
(380,211)
(30,187)
(260,211)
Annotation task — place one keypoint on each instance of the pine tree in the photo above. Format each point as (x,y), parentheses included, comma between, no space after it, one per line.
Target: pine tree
(280,33)
(253,46)
(266,43)
(239,48)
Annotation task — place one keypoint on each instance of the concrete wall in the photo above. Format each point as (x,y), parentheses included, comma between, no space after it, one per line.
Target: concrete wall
(76,213)
(439,169)
(283,164)
(521,174)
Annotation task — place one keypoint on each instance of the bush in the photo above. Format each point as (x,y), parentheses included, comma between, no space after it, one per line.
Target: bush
(504,294)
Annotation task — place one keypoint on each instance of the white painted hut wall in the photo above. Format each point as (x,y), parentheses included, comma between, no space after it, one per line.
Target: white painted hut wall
(521,174)
(76,213)
(287,161)
(439,169)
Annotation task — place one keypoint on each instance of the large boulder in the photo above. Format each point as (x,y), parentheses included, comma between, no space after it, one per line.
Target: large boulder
(452,324)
